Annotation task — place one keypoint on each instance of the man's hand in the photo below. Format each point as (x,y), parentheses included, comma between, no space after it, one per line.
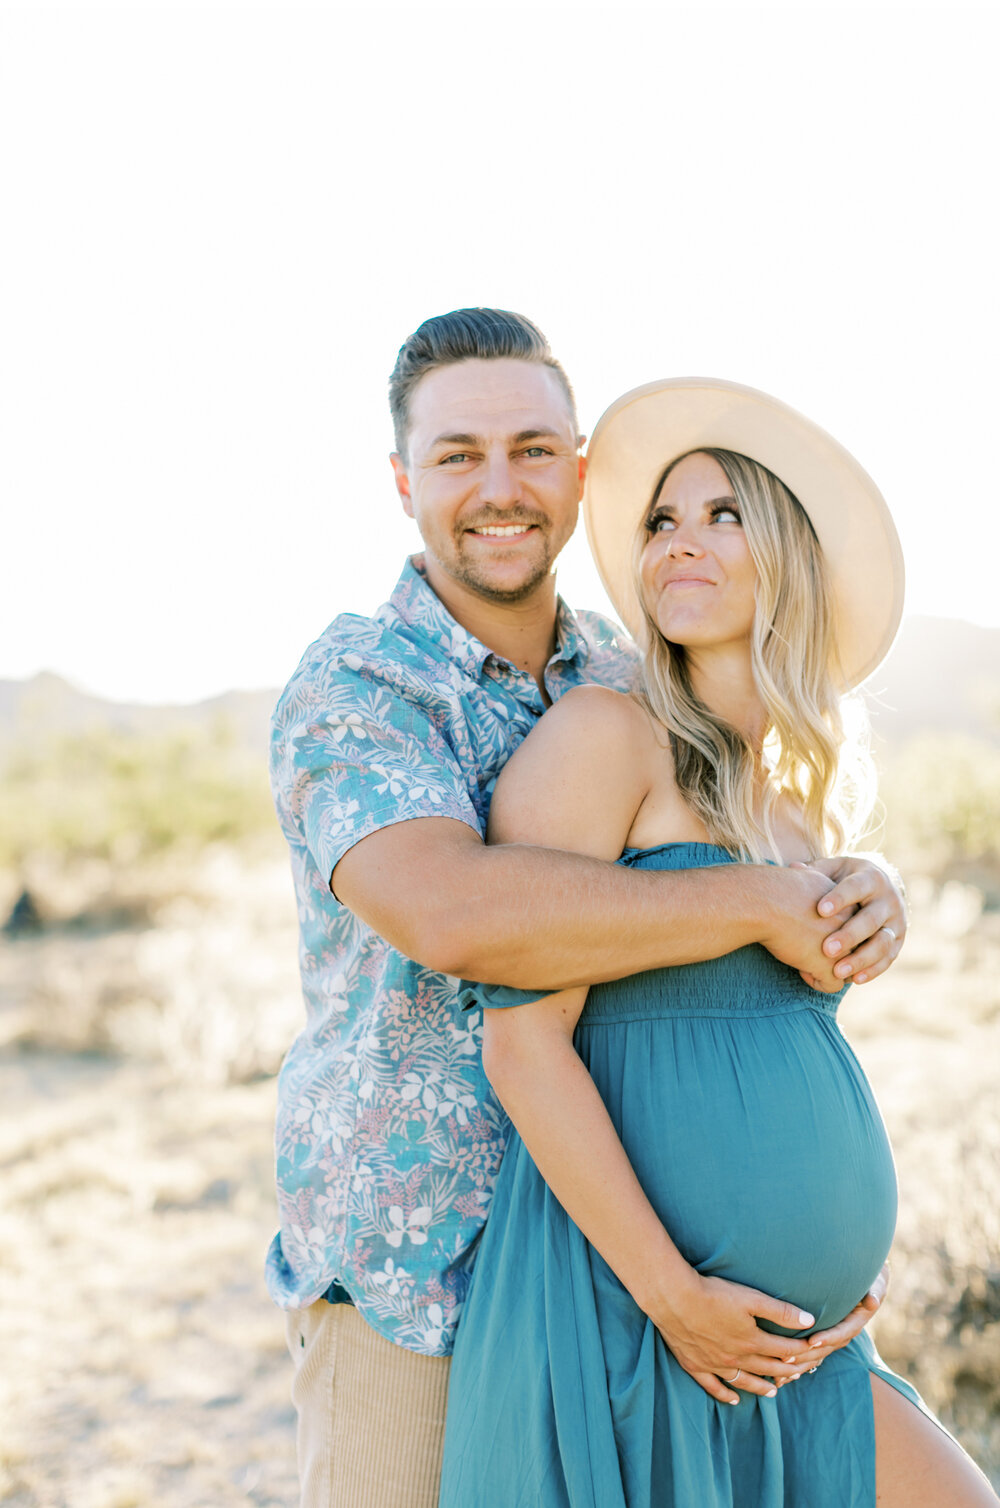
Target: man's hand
(864,946)
(797,930)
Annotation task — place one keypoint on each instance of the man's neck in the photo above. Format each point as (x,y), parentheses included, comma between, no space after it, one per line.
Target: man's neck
(522,632)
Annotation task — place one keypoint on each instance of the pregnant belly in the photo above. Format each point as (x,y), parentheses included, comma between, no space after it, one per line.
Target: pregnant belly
(760,1145)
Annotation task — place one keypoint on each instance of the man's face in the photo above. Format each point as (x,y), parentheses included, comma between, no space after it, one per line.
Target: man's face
(493,477)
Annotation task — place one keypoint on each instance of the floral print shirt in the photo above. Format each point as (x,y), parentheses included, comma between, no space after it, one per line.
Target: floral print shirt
(388,1134)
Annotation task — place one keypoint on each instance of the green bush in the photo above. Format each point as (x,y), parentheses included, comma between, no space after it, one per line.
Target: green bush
(116,795)
(110,794)
(942,803)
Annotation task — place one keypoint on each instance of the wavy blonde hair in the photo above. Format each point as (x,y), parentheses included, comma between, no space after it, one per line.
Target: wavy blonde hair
(806,750)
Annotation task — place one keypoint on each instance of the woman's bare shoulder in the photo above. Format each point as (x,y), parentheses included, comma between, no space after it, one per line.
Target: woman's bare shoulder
(579,777)
(606,713)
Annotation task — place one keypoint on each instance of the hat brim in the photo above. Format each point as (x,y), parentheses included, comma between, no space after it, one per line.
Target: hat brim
(647,428)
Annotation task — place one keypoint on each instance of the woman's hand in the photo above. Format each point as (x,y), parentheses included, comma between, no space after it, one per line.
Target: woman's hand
(869,942)
(711,1327)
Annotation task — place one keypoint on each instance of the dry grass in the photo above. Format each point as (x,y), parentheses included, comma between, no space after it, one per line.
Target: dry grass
(144,1364)
(928,1035)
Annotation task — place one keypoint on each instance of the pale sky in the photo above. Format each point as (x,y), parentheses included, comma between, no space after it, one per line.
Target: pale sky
(221,221)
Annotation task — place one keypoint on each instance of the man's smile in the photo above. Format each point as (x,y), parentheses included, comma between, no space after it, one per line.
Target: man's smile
(500,531)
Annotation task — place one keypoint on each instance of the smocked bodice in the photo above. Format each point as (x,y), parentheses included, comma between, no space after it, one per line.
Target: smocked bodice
(749,981)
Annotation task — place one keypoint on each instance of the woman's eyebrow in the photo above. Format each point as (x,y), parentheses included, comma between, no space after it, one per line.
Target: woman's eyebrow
(668,509)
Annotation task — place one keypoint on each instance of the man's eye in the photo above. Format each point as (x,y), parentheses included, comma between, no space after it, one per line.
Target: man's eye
(536,450)
(458,457)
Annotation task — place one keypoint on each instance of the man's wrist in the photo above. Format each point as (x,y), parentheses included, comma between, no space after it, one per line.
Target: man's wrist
(766,906)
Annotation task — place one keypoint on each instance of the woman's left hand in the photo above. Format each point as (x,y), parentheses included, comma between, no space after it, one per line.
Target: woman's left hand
(869,942)
(825,1342)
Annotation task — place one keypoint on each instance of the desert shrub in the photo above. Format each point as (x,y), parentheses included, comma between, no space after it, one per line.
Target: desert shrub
(115,795)
(941,795)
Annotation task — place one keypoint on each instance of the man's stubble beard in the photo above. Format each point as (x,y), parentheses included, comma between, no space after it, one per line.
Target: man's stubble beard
(483,585)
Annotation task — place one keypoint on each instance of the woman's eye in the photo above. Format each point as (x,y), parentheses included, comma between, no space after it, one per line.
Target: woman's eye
(660,523)
(726,515)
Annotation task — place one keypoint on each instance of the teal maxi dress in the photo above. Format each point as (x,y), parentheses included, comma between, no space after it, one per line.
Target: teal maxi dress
(756,1137)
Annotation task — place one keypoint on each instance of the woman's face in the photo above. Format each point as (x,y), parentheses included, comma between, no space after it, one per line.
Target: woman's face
(698,576)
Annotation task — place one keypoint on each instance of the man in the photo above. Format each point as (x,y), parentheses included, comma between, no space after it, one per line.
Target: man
(386,745)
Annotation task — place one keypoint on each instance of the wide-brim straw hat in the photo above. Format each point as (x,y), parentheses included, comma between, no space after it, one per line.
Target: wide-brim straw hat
(647,428)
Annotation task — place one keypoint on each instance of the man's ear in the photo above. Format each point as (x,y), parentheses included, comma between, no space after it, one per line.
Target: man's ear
(402,480)
(581,463)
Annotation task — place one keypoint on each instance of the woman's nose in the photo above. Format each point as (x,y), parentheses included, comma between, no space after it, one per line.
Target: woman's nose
(684,539)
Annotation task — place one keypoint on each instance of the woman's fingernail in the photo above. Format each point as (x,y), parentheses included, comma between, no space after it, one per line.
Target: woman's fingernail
(805,1319)
(771,1393)
(832,948)
(860,978)
(825,907)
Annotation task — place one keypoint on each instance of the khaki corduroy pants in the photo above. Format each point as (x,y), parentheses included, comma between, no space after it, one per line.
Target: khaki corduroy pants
(370,1414)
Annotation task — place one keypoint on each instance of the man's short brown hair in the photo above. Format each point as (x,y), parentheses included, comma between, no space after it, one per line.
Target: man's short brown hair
(464,335)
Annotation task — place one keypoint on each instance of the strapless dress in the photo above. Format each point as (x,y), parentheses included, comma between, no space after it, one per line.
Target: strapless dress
(757,1139)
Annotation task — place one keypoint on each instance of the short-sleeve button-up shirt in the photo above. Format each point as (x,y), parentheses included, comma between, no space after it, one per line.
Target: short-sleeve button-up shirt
(388,1134)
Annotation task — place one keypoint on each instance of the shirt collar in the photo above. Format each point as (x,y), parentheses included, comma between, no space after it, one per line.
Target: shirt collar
(419,606)
(571,641)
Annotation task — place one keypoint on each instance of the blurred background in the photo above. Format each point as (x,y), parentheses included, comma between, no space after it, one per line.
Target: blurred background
(221,221)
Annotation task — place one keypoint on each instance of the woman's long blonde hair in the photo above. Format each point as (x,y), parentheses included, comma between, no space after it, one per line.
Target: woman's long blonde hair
(807,753)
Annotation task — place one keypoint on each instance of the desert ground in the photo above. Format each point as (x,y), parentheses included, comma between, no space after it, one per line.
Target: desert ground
(140,1030)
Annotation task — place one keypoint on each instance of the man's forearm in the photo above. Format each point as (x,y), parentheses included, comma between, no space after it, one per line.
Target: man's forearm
(548,919)
(545,919)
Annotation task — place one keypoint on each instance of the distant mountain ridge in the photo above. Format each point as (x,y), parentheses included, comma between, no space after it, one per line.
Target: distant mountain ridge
(943,676)
(47,703)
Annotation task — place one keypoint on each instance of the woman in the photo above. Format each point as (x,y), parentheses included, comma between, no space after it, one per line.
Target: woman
(702,1135)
